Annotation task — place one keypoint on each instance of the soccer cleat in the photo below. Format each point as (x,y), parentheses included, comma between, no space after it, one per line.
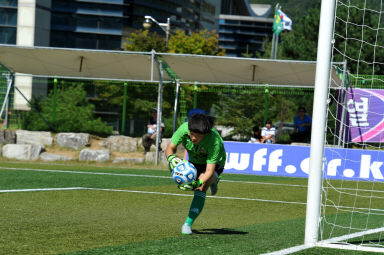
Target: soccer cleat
(213,188)
(186,229)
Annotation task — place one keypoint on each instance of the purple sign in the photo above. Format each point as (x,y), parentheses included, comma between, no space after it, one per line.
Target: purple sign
(365,115)
(293,161)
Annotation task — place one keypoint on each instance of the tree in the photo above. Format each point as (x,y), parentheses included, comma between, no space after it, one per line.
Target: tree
(201,43)
(301,42)
(144,41)
(74,113)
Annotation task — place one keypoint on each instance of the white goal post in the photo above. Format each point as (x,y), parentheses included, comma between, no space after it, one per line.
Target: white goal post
(319,115)
(348,212)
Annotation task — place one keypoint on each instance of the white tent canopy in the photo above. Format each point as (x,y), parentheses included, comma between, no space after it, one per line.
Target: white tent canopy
(139,66)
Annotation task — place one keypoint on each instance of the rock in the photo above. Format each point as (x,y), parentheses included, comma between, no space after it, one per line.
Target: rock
(2,139)
(94,155)
(151,156)
(9,136)
(22,151)
(74,141)
(120,143)
(33,137)
(128,160)
(45,156)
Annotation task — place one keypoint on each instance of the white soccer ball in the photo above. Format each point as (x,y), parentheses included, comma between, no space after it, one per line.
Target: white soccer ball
(184,172)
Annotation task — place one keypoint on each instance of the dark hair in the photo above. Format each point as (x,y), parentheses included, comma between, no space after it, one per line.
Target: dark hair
(301,108)
(200,123)
(268,122)
(258,135)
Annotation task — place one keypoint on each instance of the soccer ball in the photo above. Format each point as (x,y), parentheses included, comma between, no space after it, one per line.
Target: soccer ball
(184,172)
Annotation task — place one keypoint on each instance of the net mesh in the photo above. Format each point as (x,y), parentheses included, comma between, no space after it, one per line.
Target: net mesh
(352,210)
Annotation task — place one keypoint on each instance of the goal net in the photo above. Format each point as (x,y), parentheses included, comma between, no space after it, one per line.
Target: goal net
(352,199)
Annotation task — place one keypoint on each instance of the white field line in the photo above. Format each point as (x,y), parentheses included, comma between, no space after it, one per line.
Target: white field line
(42,189)
(150,192)
(191,195)
(138,175)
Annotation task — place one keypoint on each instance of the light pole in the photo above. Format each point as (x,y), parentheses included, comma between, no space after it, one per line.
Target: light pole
(166,27)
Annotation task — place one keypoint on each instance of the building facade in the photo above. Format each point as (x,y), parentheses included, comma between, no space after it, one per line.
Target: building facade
(92,24)
(8,21)
(244,27)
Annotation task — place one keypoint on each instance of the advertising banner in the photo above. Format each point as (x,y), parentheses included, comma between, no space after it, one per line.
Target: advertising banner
(293,161)
(365,115)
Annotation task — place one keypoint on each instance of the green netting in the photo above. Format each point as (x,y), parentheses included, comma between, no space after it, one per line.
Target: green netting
(367,81)
(12,117)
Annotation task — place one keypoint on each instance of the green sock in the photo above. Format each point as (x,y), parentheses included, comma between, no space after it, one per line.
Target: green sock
(197,206)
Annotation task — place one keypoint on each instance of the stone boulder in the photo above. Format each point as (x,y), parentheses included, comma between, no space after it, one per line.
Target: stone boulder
(120,143)
(22,151)
(94,155)
(74,141)
(128,160)
(33,137)
(151,156)
(45,156)
(7,136)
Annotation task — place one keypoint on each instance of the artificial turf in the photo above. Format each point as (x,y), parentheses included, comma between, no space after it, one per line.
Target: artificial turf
(132,220)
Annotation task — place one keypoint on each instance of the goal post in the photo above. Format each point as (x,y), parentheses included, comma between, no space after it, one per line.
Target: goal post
(345,199)
(319,117)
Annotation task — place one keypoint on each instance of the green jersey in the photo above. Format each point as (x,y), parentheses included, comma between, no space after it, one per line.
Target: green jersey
(209,151)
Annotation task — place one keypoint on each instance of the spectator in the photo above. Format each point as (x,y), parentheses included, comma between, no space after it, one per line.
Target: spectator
(256,137)
(302,129)
(150,137)
(268,133)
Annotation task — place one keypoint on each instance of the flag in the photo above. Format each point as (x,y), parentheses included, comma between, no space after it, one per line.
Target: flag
(287,22)
(277,24)
(281,22)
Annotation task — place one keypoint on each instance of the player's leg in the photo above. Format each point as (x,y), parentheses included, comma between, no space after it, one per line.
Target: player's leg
(197,204)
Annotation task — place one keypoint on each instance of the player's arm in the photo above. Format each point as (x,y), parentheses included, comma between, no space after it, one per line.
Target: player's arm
(173,160)
(206,177)
(171,149)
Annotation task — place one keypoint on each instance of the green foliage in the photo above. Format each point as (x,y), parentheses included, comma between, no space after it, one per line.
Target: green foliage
(301,42)
(248,107)
(201,43)
(73,113)
(141,97)
(144,41)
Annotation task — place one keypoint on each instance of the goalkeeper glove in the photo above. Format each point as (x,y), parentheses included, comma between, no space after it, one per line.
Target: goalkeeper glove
(190,186)
(173,160)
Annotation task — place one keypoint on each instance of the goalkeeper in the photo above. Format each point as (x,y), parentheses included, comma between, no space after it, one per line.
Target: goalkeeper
(206,152)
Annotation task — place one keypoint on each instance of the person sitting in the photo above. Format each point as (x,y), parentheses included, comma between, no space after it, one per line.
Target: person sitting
(150,137)
(302,129)
(256,137)
(268,133)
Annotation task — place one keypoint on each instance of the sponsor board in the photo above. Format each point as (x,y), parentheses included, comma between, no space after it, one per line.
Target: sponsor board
(293,161)
(364,119)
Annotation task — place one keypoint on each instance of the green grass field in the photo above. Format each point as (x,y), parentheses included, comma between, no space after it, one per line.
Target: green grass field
(105,210)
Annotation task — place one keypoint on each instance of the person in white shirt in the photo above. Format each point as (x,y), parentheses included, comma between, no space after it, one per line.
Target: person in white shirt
(150,137)
(268,133)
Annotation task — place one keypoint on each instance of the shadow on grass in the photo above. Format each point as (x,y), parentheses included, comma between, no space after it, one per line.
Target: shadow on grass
(219,231)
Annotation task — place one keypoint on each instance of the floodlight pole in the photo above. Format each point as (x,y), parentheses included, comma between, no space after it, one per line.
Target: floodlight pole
(319,119)
(176,104)
(9,78)
(159,107)
(166,27)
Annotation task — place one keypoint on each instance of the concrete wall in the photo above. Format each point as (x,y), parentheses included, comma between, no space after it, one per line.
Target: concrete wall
(33,28)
